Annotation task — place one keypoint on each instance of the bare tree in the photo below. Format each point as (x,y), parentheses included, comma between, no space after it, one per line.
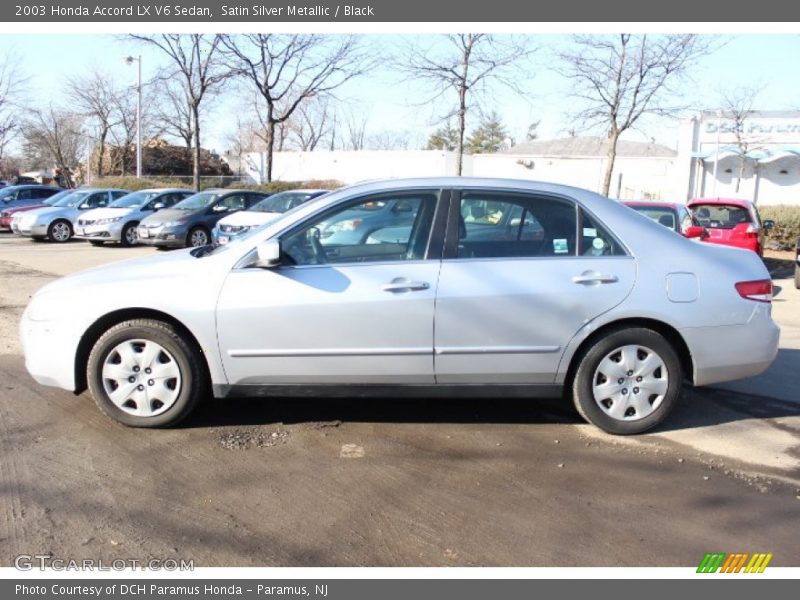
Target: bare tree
(737,106)
(355,134)
(312,124)
(55,136)
(621,78)
(288,70)
(195,59)
(95,96)
(174,113)
(12,88)
(389,140)
(466,65)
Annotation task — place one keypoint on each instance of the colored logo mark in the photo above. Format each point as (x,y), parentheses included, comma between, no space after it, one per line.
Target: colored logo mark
(720,562)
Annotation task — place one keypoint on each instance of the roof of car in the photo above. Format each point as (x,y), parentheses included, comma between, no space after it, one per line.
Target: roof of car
(648,203)
(730,201)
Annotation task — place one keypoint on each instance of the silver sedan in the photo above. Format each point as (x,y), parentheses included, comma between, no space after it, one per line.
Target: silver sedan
(488,287)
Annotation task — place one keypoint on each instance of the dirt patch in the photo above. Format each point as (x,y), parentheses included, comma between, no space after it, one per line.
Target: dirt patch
(245,438)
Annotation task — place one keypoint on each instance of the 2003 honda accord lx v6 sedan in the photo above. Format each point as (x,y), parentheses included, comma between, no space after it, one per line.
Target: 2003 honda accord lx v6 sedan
(493,287)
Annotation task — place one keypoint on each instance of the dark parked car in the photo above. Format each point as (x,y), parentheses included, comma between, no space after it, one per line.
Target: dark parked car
(189,222)
(15,196)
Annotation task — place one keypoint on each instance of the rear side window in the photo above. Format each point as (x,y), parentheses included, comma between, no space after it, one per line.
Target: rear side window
(44,193)
(499,225)
(720,216)
(595,239)
(118,194)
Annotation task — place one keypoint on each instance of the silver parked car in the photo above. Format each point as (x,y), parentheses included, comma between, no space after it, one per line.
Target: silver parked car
(57,223)
(118,221)
(498,286)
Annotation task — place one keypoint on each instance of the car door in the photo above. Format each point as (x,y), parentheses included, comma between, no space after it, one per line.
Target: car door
(358,313)
(514,291)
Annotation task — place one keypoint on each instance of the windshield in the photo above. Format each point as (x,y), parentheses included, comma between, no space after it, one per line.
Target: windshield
(280,203)
(134,200)
(55,198)
(663,215)
(73,198)
(199,200)
(720,216)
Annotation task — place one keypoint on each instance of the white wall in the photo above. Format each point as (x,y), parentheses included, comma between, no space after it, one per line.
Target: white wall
(641,177)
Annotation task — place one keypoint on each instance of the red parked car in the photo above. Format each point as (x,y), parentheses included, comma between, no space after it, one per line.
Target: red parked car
(672,215)
(7,214)
(730,221)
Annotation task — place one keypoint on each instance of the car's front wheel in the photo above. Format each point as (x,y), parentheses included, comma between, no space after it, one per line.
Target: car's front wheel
(198,237)
(129,236)
(145,373)
(59,231)
(628,381)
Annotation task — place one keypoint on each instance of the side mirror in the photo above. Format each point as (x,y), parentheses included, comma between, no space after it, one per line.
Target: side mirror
(269,254)
(158,206)
(695,231)
(768,224)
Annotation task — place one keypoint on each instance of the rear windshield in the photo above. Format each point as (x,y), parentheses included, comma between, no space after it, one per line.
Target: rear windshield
(666,216)
(720,216)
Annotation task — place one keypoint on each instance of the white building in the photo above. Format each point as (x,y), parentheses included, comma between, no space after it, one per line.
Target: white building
(760,162)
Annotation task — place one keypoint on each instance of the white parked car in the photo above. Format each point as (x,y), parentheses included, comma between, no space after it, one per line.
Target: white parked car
(497,287)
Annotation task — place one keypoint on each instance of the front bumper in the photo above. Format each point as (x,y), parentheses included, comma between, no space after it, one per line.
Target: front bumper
(111,232)
(49,348)
(727,353)
(32,230)
(172,237)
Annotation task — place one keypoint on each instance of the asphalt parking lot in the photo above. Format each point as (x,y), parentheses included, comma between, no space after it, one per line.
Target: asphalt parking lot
(392,482)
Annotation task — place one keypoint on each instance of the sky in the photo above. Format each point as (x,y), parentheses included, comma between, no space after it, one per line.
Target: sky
(393,104)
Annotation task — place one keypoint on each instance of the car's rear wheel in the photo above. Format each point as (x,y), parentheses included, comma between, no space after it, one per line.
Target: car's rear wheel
(129,236)
(197,237)
(145,373)
(628,381)
(60,231)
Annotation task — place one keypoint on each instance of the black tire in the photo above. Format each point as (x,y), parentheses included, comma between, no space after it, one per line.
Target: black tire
(194,234)
(194,381)
(60,231)
(125,236)
(95,243)
(587,370)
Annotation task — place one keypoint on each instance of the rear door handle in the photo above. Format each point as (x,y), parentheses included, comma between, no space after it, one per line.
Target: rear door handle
(401,284)
(590,278)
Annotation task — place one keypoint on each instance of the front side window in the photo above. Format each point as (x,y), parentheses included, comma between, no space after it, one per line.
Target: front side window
(498,225)
(98,199)
(373,229)
(233,202)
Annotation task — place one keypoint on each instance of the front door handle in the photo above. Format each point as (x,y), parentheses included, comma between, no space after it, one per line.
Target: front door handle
(401,284)
(594,278)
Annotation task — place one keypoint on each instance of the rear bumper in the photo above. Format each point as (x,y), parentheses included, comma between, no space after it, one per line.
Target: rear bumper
(732,352)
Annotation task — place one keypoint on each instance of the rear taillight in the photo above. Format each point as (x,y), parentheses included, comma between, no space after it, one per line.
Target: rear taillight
(760,290)
(752,230)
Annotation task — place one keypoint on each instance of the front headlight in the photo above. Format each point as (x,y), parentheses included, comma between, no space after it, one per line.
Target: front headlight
(108,221)
(45,307)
